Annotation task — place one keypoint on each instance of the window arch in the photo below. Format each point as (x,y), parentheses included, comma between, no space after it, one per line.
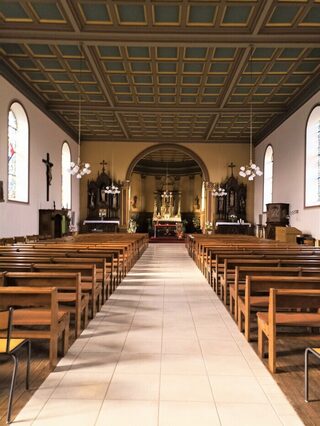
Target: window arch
(65,176)
(18,154)
(312,165)
(267,177)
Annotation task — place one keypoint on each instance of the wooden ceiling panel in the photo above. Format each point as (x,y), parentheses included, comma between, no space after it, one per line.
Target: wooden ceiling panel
(180,70)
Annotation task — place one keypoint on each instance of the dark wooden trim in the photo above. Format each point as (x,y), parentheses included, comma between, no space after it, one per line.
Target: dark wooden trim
(10,75)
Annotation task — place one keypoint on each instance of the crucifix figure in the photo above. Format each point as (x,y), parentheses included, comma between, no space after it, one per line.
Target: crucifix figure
(103,163)
(232,166)
(49,166)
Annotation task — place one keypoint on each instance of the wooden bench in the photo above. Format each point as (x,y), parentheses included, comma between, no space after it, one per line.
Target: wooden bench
(237,287)
(39,317)
(256,294)
(68,285)
(88,281)
(298,301)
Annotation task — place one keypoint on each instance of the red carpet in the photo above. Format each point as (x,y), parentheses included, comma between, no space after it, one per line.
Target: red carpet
(165,240)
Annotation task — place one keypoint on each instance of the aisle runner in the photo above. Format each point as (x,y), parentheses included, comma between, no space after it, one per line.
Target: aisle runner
(163,351)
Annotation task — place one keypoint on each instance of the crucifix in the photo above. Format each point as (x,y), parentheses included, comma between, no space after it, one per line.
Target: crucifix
(103,163)
(232,166)
(49,166)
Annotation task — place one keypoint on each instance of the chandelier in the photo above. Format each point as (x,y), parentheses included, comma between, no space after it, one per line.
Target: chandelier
(217,191)
(252,170)
(79,168)
(112,189)
(167,195)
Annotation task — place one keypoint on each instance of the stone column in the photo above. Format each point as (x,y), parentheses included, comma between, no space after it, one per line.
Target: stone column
(125,204)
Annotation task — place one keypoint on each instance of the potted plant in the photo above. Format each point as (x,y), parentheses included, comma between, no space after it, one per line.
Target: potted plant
(209,228)
(132,226)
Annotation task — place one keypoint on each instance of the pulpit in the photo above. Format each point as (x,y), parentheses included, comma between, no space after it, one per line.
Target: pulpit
(54,223)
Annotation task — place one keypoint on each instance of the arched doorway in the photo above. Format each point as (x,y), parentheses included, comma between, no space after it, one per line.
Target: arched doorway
(167,168)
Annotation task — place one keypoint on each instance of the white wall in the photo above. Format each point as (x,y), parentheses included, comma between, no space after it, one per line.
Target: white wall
(288,142)
(45,136)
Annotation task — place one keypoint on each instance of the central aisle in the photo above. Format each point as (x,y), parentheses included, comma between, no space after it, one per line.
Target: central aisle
(163,351)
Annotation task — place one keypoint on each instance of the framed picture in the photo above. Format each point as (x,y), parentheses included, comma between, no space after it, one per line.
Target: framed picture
(1,191)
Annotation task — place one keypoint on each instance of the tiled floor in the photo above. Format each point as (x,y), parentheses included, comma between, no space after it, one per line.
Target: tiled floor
(163,351)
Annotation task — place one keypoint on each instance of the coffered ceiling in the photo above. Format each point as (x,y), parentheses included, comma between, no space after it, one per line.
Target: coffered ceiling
(165,71)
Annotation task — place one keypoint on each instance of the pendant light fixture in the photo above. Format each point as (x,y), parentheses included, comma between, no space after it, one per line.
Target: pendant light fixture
(166,194)
(113,189)
(217,191)
(79,169)
(252,170)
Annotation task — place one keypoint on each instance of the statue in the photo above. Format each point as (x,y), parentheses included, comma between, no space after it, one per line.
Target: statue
(103,194)
(91,198)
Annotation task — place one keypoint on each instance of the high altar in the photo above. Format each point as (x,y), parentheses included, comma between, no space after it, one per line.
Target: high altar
(167,206)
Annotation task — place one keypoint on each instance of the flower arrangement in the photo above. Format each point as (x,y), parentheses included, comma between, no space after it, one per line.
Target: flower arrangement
(233,218)
(196,222)
(208,226)
(132,226)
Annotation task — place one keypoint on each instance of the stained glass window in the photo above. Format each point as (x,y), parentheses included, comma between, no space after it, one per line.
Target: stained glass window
(312,178)
(267,177)
(66,177)
(18,154)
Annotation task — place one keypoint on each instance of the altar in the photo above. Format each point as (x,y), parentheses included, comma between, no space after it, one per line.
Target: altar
(233,228)
(101,225)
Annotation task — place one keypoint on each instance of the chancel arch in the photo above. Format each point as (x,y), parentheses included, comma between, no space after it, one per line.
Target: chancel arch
(166,182)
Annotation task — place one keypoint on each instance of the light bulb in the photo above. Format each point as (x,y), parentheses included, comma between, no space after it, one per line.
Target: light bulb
(87,165)
(253,166)
(248,172)
(72,164)
(78,176)
(242,168)
(251,177)
(242,174)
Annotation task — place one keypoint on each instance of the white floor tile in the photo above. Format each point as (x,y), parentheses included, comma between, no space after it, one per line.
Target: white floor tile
(174,413)
(163,351)
(125,413)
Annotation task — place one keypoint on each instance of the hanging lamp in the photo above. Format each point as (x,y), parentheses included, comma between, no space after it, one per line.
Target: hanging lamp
(112,189)
(252,170)
(218,191)
(79,168)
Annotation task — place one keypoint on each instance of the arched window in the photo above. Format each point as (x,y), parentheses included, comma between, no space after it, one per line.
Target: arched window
(18,154)
(312,166)
(267,177)
(65,176)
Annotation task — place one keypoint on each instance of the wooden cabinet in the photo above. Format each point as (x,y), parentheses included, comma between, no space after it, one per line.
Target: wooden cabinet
(287,234)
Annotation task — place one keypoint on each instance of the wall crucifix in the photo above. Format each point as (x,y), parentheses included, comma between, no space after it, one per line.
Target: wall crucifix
(49,166)
(103,163)
(231,166)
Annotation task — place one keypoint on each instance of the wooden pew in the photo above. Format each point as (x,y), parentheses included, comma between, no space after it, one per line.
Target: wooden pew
(88,280)
(39,309)
(237,287)
(256,294)
(68,285)
(228,273)
(279,299)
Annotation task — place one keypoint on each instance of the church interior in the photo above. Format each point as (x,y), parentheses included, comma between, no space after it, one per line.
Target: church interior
(160,212)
